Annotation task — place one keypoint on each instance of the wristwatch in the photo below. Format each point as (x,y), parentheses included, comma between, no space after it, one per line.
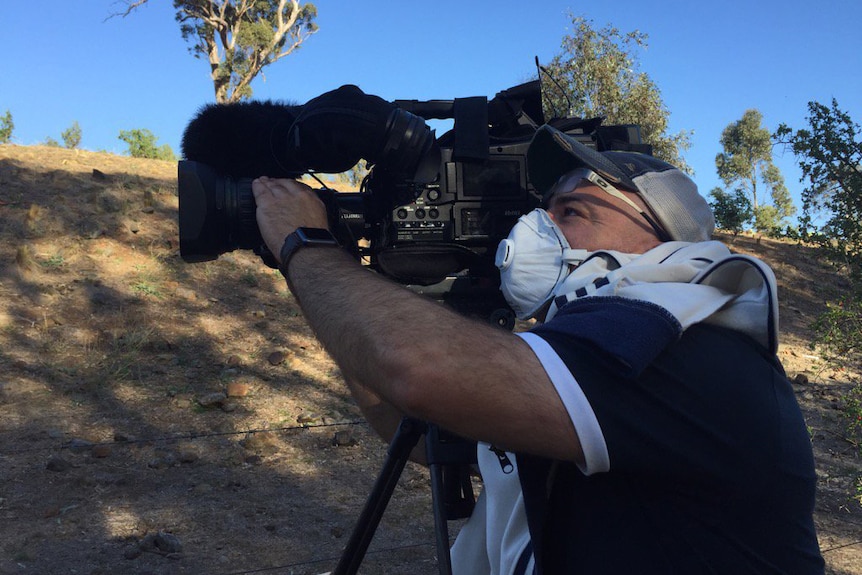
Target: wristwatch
(305,237)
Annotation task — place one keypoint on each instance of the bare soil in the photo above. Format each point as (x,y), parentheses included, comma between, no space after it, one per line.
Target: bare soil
(160,417)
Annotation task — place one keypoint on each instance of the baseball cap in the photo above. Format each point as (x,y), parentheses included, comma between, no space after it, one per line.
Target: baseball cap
(669,193)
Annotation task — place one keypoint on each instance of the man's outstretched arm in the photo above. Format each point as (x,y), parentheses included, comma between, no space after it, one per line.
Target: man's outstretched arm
(428,362)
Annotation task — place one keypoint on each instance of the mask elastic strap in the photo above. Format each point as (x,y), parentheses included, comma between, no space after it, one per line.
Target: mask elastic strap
(574,257)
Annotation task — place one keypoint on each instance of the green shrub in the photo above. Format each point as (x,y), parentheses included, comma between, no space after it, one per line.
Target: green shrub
(72,136)
(838,332)
(142,144)
(732,211)
(6,127)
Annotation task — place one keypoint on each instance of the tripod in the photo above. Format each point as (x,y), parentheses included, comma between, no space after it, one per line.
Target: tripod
(451,490)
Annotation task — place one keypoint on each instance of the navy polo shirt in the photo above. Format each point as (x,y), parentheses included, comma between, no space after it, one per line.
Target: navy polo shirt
(711,468)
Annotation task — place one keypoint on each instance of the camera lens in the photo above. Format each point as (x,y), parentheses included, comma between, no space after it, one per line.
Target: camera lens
(216,214)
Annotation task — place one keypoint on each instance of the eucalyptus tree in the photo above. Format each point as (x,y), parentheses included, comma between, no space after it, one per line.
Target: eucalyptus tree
(239,38)
(597,74)
(746,163)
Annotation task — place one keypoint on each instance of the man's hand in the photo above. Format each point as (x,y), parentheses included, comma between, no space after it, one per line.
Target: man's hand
(283,206)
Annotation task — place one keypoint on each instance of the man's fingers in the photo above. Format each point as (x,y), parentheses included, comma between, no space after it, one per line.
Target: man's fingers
(263,185)
(260,187)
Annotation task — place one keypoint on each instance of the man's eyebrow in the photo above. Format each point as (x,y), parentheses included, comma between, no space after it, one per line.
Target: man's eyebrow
(568,198)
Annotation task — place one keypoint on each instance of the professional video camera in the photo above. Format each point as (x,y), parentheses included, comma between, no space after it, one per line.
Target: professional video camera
(431,211)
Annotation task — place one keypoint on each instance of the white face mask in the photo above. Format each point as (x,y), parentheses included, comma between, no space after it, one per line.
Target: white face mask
(533,261)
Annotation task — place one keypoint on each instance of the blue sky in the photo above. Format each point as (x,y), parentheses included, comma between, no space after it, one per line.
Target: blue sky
(712,60)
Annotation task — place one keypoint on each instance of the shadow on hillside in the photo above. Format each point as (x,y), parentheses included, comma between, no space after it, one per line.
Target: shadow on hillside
(806,281)
(109,338)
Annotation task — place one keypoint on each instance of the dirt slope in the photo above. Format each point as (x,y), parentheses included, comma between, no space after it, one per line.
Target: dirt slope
(159,417)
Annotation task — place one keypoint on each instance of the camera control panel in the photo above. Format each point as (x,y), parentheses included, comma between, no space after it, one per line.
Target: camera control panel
(422,222)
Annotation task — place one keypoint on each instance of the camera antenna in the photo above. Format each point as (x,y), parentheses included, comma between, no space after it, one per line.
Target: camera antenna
(543,70)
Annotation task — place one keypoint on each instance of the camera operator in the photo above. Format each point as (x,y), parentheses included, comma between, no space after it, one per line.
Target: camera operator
(644,426)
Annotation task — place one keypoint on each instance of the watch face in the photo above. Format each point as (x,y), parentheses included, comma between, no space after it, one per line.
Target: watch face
(315,235)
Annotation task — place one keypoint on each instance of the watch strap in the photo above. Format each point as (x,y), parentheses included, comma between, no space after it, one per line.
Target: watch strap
(304,237)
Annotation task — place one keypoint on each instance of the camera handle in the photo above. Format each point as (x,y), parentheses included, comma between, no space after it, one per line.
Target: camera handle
(449,458)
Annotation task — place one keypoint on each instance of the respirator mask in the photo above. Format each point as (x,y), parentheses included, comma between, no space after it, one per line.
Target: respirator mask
(533,261)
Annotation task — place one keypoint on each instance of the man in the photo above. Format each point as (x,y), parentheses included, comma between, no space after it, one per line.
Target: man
(644,427)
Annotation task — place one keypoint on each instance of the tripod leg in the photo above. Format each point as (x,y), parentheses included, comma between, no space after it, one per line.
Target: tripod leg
(451,488)
(444,558)
(406,438)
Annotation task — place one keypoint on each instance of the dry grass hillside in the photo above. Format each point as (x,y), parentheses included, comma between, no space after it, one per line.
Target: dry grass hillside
(159,417)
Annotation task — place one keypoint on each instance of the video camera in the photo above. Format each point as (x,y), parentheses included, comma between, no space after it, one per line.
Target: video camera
(429,214)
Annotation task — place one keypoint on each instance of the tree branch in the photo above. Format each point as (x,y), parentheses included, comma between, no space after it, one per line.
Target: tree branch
(218,27)
(131,6)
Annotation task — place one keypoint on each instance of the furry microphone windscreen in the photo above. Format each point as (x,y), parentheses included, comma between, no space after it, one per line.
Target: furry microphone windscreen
(246,139)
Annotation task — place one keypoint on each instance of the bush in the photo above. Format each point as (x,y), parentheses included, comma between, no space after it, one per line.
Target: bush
(142,144)
(839,333)
(732,211)
(6,128)
(839,329)
(72,136)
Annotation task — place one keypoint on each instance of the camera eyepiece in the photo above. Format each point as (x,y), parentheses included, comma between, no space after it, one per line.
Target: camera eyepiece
(410,144)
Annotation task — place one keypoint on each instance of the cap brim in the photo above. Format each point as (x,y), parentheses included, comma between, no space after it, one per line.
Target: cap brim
(553,153)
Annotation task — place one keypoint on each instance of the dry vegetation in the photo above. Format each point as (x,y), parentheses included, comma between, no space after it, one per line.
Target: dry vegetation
(140,395)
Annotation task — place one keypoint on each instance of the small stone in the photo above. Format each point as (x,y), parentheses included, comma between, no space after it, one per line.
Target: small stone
(276,358)
(80,445)
(800,379)
(238,389)
(186,294)
(93,233)
(148,543)
(58,464)
(188,456)
(163,462)
(101,451)
(132,552)
(344,438)
(229,405)
(234,361)
(167,543)
(264,443)
(307,418)
(258,314)
(212,399)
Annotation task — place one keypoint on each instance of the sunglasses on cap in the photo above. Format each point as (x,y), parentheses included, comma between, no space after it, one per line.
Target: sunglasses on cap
(569,181)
